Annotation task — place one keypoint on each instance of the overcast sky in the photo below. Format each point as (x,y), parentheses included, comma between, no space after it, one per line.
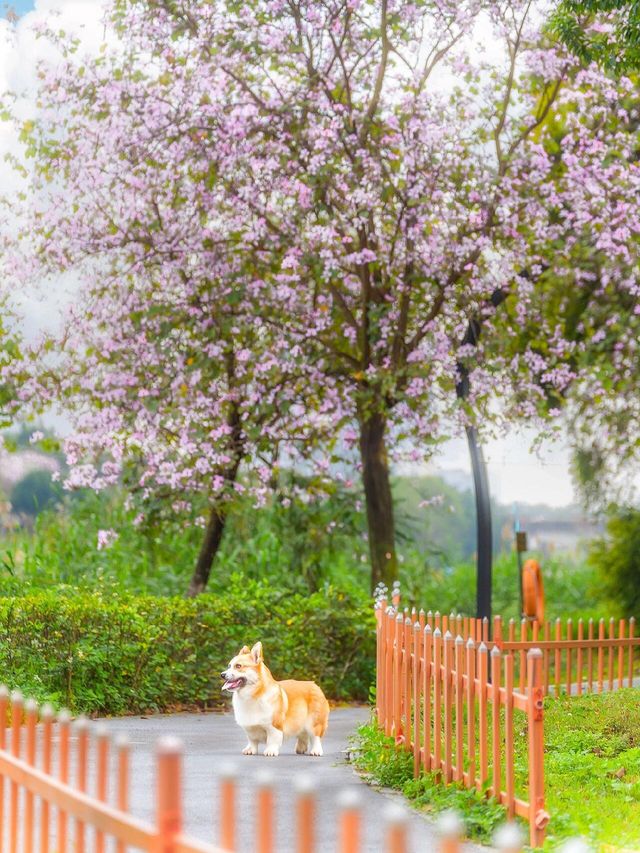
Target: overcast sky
(516,475)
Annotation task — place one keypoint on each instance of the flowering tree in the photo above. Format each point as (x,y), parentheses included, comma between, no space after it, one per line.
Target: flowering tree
(354,188)
(172,383)
(603,31)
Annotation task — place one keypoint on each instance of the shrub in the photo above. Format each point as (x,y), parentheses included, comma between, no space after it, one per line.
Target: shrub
(35,492)
(113,654)
(617,559)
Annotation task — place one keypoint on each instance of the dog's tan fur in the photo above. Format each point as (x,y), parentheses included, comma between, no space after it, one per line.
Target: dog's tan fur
(270,710)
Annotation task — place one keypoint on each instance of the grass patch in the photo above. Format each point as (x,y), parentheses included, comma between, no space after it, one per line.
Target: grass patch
(381,763)
(592,773)
(592,768)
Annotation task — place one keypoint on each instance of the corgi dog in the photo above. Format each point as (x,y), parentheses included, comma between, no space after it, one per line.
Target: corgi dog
(270,710)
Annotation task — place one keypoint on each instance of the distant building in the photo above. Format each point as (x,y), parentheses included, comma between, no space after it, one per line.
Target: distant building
(560,535)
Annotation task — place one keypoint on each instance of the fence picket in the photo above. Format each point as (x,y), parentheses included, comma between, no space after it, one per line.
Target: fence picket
(537,815)
(437,700)
(31,719)
(569,680)
(17,707)
(601,657)
(349,822)
(427,669)
(590,657)
(82,745)
(408,648)
(579,657)
(64,722)
(558,659)
(612,636)
(509,768)
(448,705)
(102,775)
(483,666)
(523,655)
(459,657)
(306,812)
(417,704)
(169,800)
(632,625)
(264,813)
(396,679)
(496,666)
(497,630)
(396,821)
(621,633)
(388,678)
(47,716)
(471,711)
(546,657)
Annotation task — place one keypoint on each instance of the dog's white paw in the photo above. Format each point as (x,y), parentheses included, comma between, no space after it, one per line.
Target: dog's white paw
(271,751)
(249,749)
(316,747)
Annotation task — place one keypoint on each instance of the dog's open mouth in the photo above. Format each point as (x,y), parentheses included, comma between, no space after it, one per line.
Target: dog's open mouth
(234,684)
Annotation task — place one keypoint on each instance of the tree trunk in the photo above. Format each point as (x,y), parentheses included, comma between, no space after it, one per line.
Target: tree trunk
(219,511)
(208,550)
(377,490)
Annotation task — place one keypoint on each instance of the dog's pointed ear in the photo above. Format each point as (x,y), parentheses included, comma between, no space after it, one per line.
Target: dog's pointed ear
(256,653)
(245,650)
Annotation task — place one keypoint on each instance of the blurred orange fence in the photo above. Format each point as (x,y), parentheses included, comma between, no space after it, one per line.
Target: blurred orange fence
(459,695)
(50,802)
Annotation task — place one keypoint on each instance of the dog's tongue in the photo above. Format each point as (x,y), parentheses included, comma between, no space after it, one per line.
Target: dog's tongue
(231,685)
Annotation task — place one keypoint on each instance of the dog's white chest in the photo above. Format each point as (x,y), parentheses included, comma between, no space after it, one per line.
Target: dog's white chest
(250,712)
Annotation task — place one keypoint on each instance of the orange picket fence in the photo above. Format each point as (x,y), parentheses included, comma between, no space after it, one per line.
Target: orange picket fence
(50,802)
(457,694)
(454,703)
(585,658)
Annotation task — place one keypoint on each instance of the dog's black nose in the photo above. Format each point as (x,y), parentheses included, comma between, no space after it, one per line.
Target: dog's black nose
(223,675)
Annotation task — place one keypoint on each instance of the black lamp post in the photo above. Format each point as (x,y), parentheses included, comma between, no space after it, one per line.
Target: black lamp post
(484,547)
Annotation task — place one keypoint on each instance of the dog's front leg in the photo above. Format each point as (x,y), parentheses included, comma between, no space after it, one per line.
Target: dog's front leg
(252,747)
(274,741)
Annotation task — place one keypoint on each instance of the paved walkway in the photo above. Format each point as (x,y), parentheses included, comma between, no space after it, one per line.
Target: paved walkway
(212,740)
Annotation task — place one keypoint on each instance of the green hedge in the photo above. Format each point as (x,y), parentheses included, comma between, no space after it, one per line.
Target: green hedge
(109,654)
